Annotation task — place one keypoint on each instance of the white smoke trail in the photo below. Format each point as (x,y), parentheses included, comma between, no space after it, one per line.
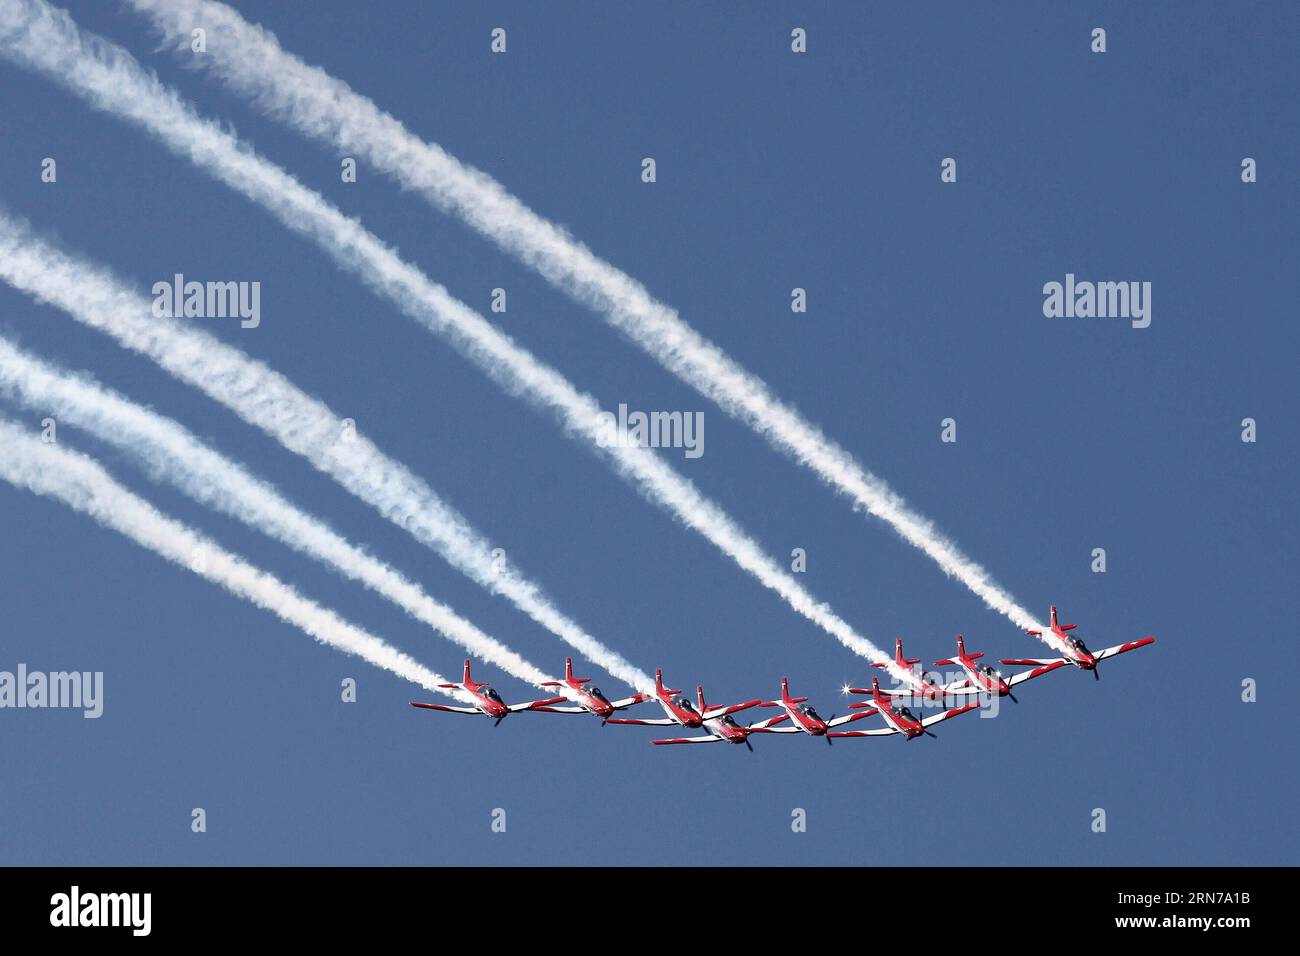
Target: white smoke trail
(81,483)
(250,61)
(172,454)
(267,400)
(45,39)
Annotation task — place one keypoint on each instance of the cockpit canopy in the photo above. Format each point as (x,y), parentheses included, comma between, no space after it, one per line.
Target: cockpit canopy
(685,704)
(810,712)
(490,693)
(595,692)
(1077,644)
(906,714)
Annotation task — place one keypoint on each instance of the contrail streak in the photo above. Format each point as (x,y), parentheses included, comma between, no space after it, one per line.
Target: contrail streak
(81,483)
(267,400)
(250,61)
(42,38)
(172,454)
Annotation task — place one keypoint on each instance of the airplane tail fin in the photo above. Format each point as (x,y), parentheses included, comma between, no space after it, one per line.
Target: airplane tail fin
(1057,624)
(785,693)
(568,673)
(467,677)
(900,659)
(961,650)
(659,684)
(699,696)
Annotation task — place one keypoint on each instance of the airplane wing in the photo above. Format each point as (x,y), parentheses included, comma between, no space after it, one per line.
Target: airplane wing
(710,739)
(848,718)
(953,712)
(1034,661)
(546,708)
(453,710)
(1122,648)
(877,732)
(961,688)
(767,724)
(713,712)
(629,701)
(1033,672)
(660,722)
(533,704)
(549,702)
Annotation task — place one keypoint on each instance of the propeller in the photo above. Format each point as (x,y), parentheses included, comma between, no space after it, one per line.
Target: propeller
(748,744)
(928,734)
(1013,697)
(1096,674)
(498,721)
(829,742)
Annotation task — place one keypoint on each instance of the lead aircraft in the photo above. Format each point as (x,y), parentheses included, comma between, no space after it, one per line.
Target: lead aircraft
(1072,649)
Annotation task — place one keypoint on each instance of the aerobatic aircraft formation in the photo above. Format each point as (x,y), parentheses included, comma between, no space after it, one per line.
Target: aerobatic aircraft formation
(981,683)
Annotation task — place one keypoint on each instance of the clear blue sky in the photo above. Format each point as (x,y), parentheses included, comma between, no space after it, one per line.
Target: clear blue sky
(775,171)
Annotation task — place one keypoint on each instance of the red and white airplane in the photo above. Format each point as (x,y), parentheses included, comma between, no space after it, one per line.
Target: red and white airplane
(918,685)
(585,700)
(803,719)
(680,711)
(983,679)
(722,725)
(899,720)
(486,700)
(1072,649)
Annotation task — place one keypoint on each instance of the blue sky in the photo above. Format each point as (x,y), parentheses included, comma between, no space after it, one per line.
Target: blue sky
(774,171)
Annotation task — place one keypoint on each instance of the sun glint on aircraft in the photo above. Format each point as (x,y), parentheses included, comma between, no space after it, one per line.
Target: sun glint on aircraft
(486,700)
(1073,650)
(583,700)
